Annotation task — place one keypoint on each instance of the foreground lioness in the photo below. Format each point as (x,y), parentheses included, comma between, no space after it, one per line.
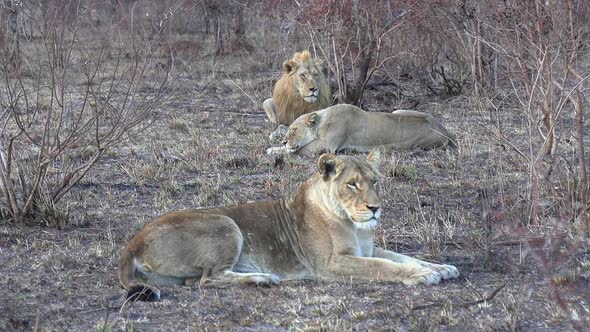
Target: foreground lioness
(301,89)
(325,231)
(343,127)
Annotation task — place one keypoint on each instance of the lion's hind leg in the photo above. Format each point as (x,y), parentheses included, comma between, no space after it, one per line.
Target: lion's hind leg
(229,278)
(216,260)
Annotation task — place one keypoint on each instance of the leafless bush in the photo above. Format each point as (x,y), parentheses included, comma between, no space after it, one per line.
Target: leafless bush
(432,48)
(78,89)
(358,38)
(539,45)
(540,50)
(225,20)
(465,26)
(349,35)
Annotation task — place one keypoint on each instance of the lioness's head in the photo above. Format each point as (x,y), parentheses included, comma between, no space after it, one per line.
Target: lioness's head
(351,191)
(305,74)
(302,132)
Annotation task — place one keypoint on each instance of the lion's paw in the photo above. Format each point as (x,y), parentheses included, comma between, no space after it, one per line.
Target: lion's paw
(423,275)
(265,279)
(447,271)
(274,279)
(431,278)
(279,133)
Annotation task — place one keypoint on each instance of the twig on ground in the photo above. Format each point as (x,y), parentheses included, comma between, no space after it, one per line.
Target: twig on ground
(461,304)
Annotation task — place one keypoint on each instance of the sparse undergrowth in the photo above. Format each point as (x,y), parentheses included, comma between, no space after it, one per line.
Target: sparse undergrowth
(67,279)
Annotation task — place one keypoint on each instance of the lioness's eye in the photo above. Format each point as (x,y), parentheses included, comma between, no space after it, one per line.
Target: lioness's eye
(302,77)
(352,185)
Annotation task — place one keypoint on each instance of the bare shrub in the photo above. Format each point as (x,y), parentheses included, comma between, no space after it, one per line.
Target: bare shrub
(78,90)
(350,36)
(356,39)
(539,47)
(541,53)
(225,20)
(432,48)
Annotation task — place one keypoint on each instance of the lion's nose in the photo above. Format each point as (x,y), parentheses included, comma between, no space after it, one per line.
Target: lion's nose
(373,208)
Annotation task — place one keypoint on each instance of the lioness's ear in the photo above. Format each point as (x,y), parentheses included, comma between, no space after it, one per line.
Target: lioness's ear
(329,165)
(289,66)
(374,157)
(312,119)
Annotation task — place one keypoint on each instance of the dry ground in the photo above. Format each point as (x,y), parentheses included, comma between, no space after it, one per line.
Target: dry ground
(207,149)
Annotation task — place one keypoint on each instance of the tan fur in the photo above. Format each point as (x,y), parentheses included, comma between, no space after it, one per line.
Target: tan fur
(347,127)
(287,102)
(324,231)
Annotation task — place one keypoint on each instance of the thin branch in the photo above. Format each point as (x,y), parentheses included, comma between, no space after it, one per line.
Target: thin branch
(460,304)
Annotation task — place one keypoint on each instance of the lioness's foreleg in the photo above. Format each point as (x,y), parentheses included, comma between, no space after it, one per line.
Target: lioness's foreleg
(373,268)
(446,271)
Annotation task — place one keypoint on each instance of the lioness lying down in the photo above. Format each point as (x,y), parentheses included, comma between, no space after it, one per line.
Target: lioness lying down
(324,231)
(343,126)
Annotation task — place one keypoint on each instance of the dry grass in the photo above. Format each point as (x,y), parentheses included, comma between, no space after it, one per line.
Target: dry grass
(210,152)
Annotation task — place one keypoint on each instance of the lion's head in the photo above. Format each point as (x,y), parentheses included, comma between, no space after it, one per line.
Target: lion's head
(301,89)
(305,75)
(302,132)
(348,187)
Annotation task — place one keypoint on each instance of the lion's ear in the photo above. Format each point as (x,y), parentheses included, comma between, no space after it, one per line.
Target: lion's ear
(374,157)
(312,119)
(329,165)
(289,66)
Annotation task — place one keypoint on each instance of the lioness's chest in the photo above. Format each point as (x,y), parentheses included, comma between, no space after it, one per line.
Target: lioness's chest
(364,242)
(356,242)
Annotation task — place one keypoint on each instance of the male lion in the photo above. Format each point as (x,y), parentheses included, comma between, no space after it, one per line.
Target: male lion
(301,89)
(343,126)
(324,231)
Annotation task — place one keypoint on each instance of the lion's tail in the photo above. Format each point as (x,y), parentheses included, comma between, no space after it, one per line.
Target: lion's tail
(135,291)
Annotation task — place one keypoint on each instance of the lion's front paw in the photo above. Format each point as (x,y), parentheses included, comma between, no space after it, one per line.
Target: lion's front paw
(447,271)
(279,133)
(423,275)
(274,150)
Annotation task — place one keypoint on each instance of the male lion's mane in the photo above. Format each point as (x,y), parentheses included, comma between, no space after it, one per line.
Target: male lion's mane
(289,104)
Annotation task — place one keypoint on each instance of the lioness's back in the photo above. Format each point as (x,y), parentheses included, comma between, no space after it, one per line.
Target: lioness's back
(346,126)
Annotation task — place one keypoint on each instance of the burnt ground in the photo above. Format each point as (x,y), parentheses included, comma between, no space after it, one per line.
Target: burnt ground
(207,148)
